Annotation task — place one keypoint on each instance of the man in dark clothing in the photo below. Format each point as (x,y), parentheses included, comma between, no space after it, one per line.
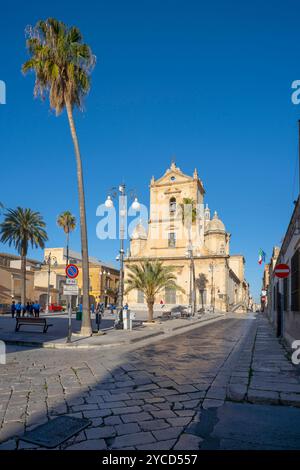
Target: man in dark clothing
(13,309)
(18,309)
(36,309)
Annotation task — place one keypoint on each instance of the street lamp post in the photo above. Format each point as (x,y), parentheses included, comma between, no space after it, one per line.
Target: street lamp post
(191,306)
(212,299)
(49,261)
(122,218)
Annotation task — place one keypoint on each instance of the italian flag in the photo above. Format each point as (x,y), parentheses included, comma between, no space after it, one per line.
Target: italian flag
(261,256)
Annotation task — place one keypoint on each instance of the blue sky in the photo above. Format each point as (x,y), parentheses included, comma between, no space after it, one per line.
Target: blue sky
(208,82)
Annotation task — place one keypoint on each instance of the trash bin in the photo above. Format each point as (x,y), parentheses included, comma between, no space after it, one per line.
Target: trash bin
(78,315)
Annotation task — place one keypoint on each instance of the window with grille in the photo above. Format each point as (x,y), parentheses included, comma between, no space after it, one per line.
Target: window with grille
(172,205)
(171,240)
(170,295)
(295,304)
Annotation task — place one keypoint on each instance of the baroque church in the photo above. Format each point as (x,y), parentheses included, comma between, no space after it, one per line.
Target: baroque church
(217,280)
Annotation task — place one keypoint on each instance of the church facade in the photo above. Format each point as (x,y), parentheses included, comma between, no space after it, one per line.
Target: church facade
(199,252)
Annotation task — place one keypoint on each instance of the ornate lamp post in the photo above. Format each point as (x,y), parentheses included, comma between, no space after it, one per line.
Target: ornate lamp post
(121,191)
(49,261)
(212,297)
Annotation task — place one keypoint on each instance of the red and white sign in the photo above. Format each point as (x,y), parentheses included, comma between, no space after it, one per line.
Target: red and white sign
(282,270)
(72,271)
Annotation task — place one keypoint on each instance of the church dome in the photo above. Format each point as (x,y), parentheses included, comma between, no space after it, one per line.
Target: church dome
(139,232)
(215,224)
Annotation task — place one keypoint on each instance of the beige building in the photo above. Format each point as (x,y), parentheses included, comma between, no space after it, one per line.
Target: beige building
(283,294)
(104,279)
(167,238)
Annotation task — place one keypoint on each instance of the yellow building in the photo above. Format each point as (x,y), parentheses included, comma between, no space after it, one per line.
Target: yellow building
(104,278)
(219,275)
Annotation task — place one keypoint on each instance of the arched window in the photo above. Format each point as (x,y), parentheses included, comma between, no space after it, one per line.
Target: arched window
(172,205)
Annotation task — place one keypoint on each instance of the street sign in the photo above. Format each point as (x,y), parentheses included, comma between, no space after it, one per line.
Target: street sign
(72,271)
(71,290)
(71,282)
(282,270)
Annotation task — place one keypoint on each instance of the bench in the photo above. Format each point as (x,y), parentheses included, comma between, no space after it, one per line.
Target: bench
(32,321)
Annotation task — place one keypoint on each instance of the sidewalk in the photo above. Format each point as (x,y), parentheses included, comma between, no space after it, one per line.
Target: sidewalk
(109,336)
(262,371)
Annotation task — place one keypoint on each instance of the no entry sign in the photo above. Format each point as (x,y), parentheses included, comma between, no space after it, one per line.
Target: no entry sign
(72,271)
(282,270)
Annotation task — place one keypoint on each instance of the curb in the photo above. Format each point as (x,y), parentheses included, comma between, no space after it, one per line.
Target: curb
(52,345)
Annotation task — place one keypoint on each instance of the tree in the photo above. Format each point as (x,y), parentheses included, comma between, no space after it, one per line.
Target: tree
(151,277)
(189,217)
(201,283)
(23,228)
(62,64)
(67,222)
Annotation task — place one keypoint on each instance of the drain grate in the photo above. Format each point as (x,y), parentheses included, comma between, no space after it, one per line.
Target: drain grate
(56,431)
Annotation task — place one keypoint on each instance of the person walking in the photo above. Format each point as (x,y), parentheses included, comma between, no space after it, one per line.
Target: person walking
(31,309)
(18,309)
(36,309)
(13,309)
(28,309)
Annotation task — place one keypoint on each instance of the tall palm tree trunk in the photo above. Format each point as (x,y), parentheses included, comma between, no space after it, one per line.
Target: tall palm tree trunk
(68,238)
(86,329)
(150,305)
(23,279)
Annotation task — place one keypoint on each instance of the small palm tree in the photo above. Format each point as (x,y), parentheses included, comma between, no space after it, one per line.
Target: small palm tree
(67,222)
(151,277)
(62,64)
(23,228)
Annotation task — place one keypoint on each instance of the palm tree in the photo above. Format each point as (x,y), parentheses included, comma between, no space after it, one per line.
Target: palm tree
(62,64)
(189,217)
(21,228)
(67,222)
(151,277)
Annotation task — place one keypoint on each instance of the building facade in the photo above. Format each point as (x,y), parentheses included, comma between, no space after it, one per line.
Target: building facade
(283,295)
(104,279)
(219,276)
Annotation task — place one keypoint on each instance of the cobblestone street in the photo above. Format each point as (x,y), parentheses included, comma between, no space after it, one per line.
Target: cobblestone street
(177,393)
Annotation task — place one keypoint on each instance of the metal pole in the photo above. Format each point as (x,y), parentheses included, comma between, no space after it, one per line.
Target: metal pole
(48,289)
(121,282)
(299,152)
(70,321)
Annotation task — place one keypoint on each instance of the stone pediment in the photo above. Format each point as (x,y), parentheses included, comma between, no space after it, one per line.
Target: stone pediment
(172,175)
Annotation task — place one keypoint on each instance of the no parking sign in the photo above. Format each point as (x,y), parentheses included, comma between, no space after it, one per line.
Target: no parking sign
(72,271)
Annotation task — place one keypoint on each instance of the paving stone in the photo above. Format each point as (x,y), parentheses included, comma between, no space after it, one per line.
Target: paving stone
(11,444)
(163,414)
(211,403)
(112,420)
(236,392)
(153,425)
(133,440)
(136,417)
(129,428)
(100,432)
(126,410)
(291,399)
(188,442)
(217,393)
(168,433)
(162,445)
(94,444)
(264,396)
(179,421)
